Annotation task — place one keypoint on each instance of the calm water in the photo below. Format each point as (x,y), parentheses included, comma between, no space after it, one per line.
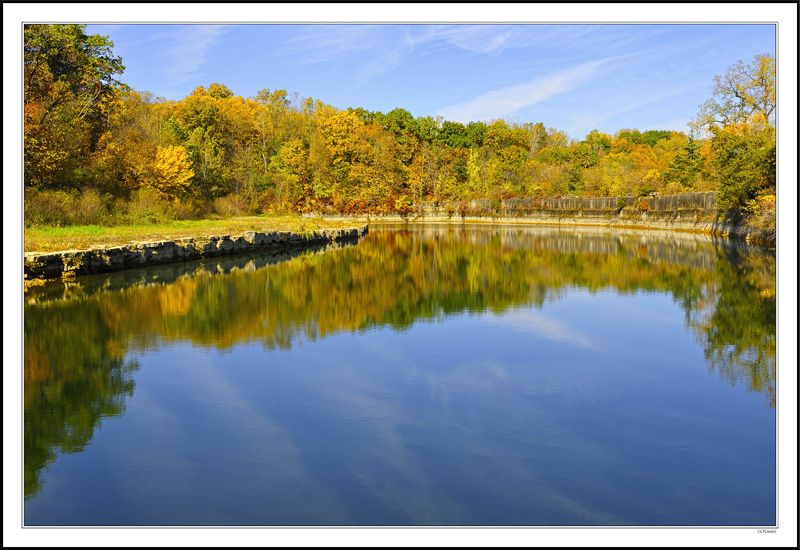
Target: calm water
(437,375)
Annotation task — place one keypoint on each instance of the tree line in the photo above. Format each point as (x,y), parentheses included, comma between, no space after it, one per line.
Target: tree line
(88,133)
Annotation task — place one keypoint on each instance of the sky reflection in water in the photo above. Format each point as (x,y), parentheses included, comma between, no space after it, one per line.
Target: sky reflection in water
(438,376)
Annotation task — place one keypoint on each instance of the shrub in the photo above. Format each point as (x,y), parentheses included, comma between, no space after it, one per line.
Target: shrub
(148,206)
(90,208)
(47,207)
(761,212)
(187,210)
(230,206)
(403,205)
(262,202)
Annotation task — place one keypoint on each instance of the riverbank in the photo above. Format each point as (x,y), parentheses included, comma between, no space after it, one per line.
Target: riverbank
(689,212)
(68,264)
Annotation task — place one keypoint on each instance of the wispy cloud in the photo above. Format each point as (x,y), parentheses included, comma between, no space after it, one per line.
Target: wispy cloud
(543,326)
(474,38)
(506,101)
(373,50)
(186,56)
(620,103)
(325,43)
(362,52)
(491,39)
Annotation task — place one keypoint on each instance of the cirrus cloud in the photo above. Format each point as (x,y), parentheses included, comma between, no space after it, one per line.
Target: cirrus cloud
(189,50)
(511,99)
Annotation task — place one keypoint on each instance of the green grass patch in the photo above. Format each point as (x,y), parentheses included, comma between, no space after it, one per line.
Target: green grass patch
(44,238)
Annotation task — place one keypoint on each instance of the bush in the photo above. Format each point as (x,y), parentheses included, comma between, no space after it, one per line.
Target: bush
(90,208)
(261,202)
(187,210)
(148,206)
(48,207)
(761,213)
(230,206)
(403,205)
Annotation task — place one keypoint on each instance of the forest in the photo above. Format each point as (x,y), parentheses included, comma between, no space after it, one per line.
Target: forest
(98,152)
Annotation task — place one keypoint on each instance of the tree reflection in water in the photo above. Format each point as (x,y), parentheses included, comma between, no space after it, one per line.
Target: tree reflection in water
(77,336)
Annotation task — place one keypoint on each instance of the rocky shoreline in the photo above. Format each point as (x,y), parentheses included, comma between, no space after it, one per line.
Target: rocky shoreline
(105,259)
(689,212)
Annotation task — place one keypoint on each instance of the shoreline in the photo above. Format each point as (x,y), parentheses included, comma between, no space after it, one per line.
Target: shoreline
(69,264)
(693,213)
(722,230)
(689,212)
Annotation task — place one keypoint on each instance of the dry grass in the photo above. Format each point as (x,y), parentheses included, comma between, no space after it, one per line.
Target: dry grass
(51,239)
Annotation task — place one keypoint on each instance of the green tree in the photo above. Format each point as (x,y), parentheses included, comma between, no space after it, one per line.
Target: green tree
(452,134)
(686,165)
(651,137)
(63,64)
(68,77)
(598,141)
(744,157)
(427,128)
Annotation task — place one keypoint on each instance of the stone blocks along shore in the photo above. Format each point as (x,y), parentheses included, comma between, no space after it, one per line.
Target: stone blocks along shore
(105,259)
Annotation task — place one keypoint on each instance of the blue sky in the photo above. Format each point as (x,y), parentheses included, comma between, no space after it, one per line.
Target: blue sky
(426,75)
(573,77)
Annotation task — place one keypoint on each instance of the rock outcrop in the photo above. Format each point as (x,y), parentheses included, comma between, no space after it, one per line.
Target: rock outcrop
(105,259)
(692,212)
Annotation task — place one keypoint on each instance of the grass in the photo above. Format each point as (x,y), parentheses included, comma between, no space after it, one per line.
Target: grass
(42,238)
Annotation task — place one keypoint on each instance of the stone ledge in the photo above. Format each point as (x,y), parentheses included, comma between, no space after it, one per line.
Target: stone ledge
(105,259)
(688,212)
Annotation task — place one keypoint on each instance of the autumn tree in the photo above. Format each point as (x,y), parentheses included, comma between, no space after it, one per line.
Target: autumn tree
(743,92)
(136,125)
(340,133)
(219,91)
(741,118)
(172,172)
(377,172)
(289,169)
(218,131)
(82,127)
(68,77)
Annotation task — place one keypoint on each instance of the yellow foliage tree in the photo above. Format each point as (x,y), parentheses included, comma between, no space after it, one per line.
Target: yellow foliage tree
(742,93)
(172,172)
(289,168)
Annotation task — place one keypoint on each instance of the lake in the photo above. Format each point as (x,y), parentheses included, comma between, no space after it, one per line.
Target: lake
(428,375)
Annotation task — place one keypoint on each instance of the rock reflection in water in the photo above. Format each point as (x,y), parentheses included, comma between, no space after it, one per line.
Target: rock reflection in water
(78,336)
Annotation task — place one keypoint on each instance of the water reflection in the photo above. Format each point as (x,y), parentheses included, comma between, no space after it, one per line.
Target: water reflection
(77,337)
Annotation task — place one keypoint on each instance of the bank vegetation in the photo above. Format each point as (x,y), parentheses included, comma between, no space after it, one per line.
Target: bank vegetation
(98,153)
